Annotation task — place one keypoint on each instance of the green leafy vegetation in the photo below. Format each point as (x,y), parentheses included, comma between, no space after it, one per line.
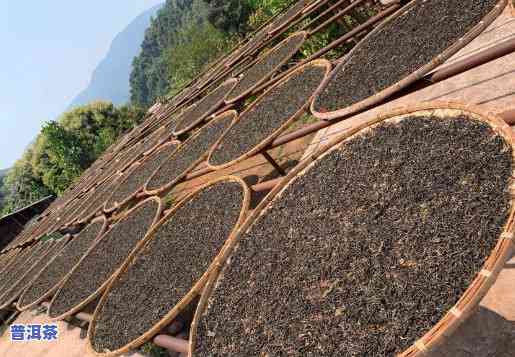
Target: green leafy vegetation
(21,186)
(152,350)
(199,44)
(185,36)
(181,41)
(188,35)
(63,150)
(149,78)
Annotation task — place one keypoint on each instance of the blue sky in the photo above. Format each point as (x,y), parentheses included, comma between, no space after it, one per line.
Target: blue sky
(49,50)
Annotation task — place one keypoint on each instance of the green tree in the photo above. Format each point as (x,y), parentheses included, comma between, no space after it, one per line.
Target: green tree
(148,79)
(262,10)
(68,146)
(229,16)
(200,44)
(21,186)
(63,150)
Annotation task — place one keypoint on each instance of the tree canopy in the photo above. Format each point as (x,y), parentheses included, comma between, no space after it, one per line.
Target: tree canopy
(184,37)
(63,150)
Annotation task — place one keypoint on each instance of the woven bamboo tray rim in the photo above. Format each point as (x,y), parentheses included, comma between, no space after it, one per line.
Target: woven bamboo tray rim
(73,212)
(3,257)
(163,189)
(109,206)
(5,260)
(255,41)
(197,93)
(512,8)
(308,6)
(33,234)
(101,174)
(157,136)
(19,238)
(43,254)
(161,119)
(112,180)
(165,137)
(242,66)
(73,217)
(9,260)
(32,251)
(210,86)
(77,308)
(248,37)
(128,157)
(20,258)
(23,255)
(260,146)
(231,82)
(302,34)
(170,121)
(66,239)
(52,290)
(411,78)
(15,242)
(150,120)
(485,278)
(42,230)
(121,179)
(109,172)
(196,289)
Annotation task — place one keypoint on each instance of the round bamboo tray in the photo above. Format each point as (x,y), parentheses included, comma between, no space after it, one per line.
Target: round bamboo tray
(164,137)
(154,139)
(74,210)
(39,230)
(3,259)
(196,288)
(34,260)
(413,77)
(20,285)
(254,42)
(17,264)
(16,253)
(123,176)
(303,35)
(485,278)
(92,206)
(109,206)
(282,22)
(263,144)
(227,86)
(128,157)
(52,290)
(169,185)
(10,255)
(79,307)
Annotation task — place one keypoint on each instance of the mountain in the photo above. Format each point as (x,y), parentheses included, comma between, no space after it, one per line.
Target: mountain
(110,80)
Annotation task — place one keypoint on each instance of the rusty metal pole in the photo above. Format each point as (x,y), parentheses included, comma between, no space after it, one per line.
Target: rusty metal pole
(267,185)
(171,343)
(485,56)
(272,162)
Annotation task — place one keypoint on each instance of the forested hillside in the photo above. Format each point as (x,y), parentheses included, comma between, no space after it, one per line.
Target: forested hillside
(63,150)
(110,80)
(183,38)
(188,34)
